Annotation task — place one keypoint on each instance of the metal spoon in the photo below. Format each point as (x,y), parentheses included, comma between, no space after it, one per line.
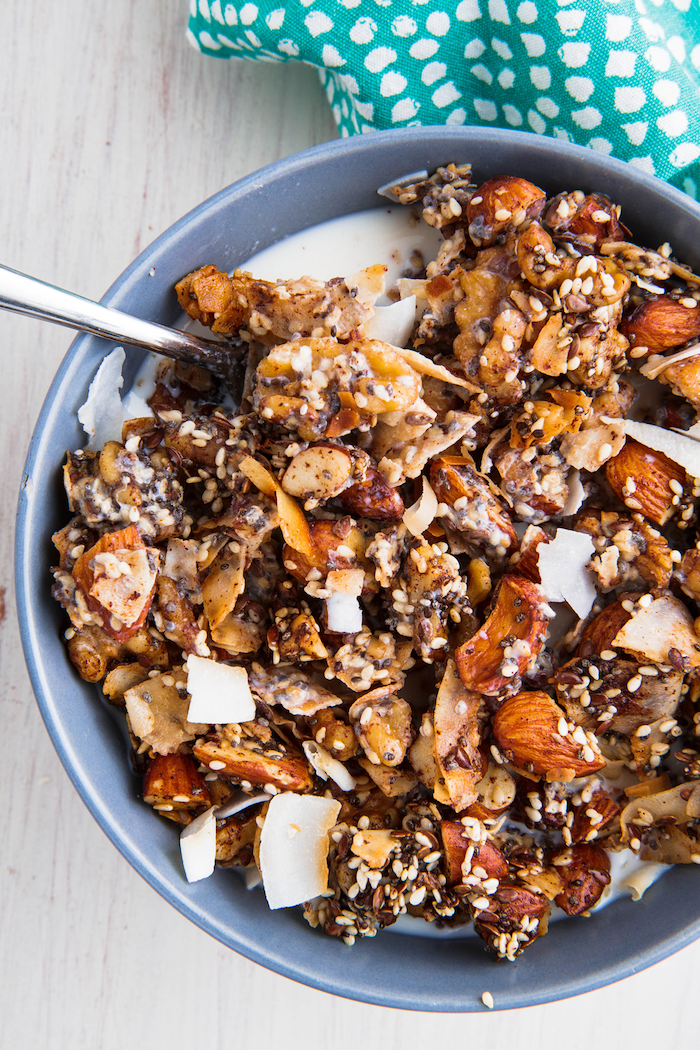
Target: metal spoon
(28,295)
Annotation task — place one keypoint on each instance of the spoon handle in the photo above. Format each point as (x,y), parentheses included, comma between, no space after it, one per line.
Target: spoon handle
(28,295)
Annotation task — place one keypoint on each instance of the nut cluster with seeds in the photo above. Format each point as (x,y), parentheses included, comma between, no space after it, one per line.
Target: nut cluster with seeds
(375,541)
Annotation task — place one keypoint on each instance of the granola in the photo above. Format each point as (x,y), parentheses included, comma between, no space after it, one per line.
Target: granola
(370,539)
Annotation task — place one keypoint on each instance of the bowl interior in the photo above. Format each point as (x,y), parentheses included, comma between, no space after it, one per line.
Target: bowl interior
(400,971)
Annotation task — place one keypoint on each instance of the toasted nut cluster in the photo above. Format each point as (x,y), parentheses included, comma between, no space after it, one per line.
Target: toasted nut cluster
(368,545)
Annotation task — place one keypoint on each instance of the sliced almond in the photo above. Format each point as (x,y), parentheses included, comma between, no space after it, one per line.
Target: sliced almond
(319,472)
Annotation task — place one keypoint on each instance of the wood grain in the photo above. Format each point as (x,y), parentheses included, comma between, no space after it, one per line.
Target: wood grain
(111,128)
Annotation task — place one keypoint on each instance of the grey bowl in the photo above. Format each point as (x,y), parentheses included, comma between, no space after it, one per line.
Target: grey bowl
(408,972)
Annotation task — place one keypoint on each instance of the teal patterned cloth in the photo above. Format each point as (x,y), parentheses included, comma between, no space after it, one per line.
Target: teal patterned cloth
(619,76)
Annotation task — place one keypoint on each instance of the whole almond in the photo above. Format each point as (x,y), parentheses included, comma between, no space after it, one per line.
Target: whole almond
(646,481)
(173,780)
(585,872)
(598,636)
(518,620)
(534,734)
(471,506)
(592,220)
(373,498)
(503,202)
(661,324)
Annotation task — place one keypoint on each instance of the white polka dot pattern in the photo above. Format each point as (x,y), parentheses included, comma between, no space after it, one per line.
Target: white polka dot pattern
(619,76)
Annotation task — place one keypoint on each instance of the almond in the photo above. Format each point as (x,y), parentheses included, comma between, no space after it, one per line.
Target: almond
(642,478)
(319,473)
(591,817)
(529,730)
(373,498)
(592,220)
(507,909)
(471,506)
(173,781)
(503,202)
(689,574)
(455,843)
(527,563)
(598,636)
(585,872)
(660,633)
(289,772)
(117,576)
(329,550)
(661,324)
(517,619)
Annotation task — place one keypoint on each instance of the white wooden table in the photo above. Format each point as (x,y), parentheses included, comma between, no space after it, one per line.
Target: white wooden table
(111,128)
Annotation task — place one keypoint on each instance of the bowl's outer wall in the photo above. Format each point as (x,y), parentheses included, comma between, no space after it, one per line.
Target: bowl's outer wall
(400,971)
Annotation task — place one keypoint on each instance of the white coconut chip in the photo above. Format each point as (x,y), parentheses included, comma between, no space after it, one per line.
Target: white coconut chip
(220,694)
(294,847)
(198,846)
(102,416)
(392,324)
(577,494)
(657,363)
(422,513)
(562,565)
(679,447)
(343,609)
(326,766)
(343,613)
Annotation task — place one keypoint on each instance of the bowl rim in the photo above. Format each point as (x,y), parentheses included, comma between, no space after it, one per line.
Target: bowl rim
(358,985)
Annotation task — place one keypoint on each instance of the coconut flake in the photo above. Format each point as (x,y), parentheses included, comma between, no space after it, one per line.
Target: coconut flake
(563,570)
(102,416)
(419,516)
(343,613)
(425,366)
(656,363)
(679,447)
(656,628)
(220,694)
(326,766)
(343,609)
(198,846)
(392,324)
(294,847)
(577,494)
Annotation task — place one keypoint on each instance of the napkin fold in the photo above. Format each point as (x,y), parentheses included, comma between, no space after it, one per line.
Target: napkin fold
(619,76)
